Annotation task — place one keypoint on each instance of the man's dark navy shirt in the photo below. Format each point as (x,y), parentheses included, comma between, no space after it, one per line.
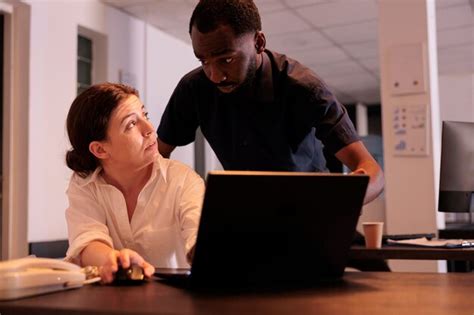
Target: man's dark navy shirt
(274,127)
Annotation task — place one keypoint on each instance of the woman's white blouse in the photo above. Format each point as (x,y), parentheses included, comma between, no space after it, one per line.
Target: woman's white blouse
(163,227)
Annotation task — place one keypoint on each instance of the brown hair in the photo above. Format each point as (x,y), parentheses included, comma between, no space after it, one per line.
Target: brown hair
(87,121)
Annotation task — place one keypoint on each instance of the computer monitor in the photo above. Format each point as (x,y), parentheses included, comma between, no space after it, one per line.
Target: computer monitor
(456,189)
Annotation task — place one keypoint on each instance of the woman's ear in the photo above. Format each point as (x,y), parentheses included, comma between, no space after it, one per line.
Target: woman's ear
(260,42)
(98,150)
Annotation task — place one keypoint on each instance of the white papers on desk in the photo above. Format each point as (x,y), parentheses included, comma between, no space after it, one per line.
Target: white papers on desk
(424,242)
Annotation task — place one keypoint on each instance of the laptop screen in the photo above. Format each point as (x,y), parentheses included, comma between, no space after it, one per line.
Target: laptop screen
(263,227)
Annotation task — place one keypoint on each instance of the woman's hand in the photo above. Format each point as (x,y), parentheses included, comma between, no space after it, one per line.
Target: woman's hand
(125,258)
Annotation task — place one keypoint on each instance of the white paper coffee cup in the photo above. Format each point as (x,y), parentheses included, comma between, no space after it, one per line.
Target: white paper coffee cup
(373,234)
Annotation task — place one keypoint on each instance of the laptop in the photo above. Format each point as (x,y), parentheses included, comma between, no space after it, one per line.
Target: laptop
(267,228)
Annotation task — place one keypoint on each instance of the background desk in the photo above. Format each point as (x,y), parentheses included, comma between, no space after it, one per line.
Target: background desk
(359,293)
(406,252)
(458,231)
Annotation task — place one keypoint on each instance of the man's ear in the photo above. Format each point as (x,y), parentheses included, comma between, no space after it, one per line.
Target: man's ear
(260,42)
(98,150)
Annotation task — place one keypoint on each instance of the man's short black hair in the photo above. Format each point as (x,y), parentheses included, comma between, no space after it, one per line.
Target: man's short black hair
(241,15)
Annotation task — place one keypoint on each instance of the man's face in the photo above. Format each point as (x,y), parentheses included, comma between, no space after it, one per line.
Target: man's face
(228,61)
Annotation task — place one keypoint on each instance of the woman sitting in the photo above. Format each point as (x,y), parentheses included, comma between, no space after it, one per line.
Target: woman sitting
(127,204)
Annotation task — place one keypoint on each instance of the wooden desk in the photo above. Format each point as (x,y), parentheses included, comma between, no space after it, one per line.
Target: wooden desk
(359,293)
(406,252)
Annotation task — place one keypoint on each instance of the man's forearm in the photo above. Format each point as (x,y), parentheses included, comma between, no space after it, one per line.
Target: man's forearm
(360,161)
(164,148)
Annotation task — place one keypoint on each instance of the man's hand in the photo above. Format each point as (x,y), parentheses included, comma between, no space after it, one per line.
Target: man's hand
(359,171)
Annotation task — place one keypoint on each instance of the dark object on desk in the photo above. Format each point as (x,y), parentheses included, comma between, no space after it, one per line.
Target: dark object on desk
(279,228)
(129,276)
(400,237)
(457,231)
(48,249)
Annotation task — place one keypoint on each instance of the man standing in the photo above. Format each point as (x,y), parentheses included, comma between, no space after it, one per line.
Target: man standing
(259,110)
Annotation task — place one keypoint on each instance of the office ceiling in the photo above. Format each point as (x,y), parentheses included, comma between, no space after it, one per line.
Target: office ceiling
(338,39)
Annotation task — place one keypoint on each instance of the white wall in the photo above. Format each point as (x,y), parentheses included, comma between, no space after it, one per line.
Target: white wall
(133,48)
(167,60)
(126,49)
(53,61)
(456,94)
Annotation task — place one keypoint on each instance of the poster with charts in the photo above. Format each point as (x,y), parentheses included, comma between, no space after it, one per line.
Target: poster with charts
(410,130)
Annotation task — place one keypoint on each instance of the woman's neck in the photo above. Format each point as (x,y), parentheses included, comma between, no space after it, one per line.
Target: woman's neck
(128,182)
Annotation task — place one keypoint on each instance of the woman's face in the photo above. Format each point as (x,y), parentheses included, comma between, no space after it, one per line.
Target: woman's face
(131,139)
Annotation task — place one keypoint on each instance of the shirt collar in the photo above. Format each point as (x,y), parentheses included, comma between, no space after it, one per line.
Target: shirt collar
(160,167)
(264,92)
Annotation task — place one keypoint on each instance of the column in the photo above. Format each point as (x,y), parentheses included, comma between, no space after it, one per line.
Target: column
(410,119)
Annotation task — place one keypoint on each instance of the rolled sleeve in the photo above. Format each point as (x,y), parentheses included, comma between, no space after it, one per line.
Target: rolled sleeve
(86,220)
(341,134)
(335,129)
